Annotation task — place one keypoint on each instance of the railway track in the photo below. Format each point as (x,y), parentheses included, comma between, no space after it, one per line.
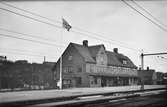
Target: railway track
(97,99)
(142,101)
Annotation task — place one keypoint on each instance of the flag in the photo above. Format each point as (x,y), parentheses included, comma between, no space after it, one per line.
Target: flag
(66,25)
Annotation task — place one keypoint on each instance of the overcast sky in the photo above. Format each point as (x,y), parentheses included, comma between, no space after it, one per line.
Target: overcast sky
(114,20)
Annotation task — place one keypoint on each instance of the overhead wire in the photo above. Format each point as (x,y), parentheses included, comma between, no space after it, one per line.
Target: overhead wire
(136,50)
(148,13)
(32,13)
(158,25)
(162,57)
(37,20)
(159,63)
(89,35)
(23,51)
(34,41)
(18,53)
(28,35)
(75,27)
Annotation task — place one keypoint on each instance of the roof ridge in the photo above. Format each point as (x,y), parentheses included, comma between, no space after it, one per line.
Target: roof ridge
(75,43)
(96,45)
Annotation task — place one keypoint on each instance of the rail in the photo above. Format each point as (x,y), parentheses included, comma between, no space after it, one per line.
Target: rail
(67,99)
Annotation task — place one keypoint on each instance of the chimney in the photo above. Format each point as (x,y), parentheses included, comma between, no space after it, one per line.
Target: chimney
(85,43)
(148,68)
(139,68)
(115,50)
(5,58)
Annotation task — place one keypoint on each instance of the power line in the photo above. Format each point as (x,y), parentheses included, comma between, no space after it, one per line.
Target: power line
(158,62)
(23,51)
(104,40)
(34,41)
(89,35)
(144,16)
(148,13)
(100,35)
(17,53)
(20,53)
(37,20)
(32,13)
(29,35)
(162,57)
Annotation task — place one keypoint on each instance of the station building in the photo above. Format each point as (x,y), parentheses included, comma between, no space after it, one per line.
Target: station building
(94,66)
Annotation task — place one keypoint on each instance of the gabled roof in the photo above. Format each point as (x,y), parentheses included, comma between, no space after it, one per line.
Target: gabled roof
(114,59)
(84,52)
(94,49)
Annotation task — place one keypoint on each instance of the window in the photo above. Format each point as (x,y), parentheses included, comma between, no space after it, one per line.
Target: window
(66,81)
(65,69)
(95,80)
(79,68)
(70,58)
(68,69)
(124,62)
(91,69)
(54,74)
(101,59)
(78,80)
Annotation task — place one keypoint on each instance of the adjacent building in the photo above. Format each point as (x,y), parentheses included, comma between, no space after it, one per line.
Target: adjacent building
(161,78)
(148,76)
(94,66)
(24,75)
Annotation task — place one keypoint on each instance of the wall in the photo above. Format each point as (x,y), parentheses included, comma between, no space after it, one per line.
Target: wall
(26,75)
(71,58)
(101,57)
(112,70)
(147,76)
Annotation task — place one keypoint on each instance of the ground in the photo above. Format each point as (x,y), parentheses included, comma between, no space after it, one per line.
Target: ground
(44,94)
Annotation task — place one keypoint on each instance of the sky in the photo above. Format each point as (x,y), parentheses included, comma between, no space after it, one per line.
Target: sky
(118,25)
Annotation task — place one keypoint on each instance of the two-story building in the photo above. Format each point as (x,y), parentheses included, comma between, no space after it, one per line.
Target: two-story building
(94,66)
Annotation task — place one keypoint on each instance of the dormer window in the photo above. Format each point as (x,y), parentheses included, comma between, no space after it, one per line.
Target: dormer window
(124,62)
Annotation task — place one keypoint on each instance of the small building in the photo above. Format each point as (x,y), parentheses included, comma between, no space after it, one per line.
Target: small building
(22,74)
(160,77)
(148,76)
(3,58)
(94,66)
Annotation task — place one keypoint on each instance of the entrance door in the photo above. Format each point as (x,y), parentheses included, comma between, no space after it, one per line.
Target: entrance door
(103,82)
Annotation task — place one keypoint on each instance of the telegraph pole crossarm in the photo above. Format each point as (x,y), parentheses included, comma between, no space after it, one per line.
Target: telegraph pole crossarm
(154,54)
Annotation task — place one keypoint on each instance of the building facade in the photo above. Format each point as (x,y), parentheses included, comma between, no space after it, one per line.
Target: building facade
(24,75)
(148,76)
(94,66)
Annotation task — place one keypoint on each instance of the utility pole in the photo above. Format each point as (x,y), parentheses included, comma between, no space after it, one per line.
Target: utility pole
(142,63)
(44,59)
(142,57)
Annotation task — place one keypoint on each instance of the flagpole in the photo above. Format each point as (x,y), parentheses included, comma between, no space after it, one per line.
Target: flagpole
(67,27)
(61,71)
